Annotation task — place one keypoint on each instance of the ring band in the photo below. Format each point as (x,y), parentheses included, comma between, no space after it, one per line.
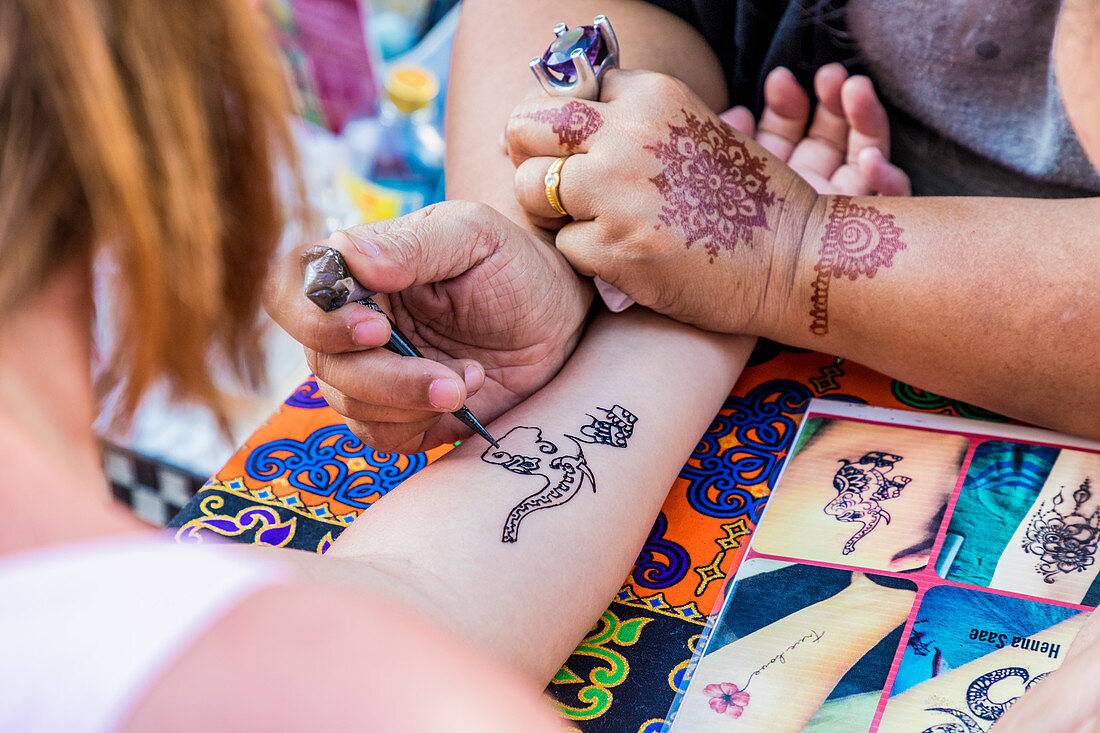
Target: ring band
(552,181)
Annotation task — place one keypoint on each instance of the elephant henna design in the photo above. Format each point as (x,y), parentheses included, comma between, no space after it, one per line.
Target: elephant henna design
(979,703)
(564,474)
(860,486)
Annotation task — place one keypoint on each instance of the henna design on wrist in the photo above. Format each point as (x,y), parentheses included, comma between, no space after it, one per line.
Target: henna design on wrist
(726,698)
(564,474)
(980,705)
(860,486)
(858,241)
(1064,539)
(573,123)
(715,189)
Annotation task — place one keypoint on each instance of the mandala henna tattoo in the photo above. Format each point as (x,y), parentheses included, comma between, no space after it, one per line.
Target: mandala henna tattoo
(715,189)
(564,474)
(858,241)
(573,123)
(979,703)
(860,486)
(1064,539)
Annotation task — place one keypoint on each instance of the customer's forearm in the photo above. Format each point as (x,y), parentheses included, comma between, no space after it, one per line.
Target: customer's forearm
(992,301)
(493,45)
(520,548)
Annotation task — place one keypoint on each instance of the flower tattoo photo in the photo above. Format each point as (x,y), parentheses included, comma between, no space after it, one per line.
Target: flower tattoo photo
(858,241)
(573,123)
(715,189)
(726,698)
(522,450)
(1064,538)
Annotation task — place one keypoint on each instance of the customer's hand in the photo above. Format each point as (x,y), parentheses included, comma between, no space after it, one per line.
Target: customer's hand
(1068,699)
(669,204)
(495,310)
(845,149)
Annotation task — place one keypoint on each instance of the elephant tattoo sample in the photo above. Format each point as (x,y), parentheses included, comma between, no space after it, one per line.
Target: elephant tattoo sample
(860,486)
(563,472)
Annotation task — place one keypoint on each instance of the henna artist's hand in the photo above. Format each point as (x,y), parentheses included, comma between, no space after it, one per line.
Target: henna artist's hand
(846,148)
(670,205)
(493,308)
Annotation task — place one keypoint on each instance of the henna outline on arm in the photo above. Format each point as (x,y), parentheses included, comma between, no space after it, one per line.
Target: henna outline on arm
(563,475)
(858,240)
(1065,542)
(715,190)
(573,123)
(860,486)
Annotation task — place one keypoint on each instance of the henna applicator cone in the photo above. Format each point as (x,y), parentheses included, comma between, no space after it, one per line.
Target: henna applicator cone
(330,285)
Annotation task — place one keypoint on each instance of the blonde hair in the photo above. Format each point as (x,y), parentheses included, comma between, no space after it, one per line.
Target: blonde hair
(153,128)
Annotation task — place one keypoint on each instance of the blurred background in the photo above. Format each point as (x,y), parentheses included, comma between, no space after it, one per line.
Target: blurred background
(369,78)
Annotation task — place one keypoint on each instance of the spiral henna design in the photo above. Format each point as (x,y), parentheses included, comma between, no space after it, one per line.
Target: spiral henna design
(858,241)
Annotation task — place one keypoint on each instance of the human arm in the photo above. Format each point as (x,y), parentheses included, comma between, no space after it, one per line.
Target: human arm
(986,300)
(436,543)
(505,344)
(789,667)
(1052,554)
(981,690)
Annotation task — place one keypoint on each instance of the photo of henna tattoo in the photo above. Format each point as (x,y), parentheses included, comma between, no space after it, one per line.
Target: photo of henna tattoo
(860,486)
(573,123)
(979,703)
(726,698)
(858,241)
(563,474)
(715,189)
(1065,539)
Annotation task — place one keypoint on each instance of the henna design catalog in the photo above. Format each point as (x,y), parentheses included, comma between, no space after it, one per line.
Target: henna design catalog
(980,706)
(726,698)
(858,241)
(1064,538)
(523,449)
(573,123)
(715,190)
(860,486)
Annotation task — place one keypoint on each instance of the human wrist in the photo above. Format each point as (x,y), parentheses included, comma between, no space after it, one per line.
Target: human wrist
(785,301)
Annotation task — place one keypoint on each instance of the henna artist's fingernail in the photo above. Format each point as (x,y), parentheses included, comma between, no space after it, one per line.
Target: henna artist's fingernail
(444,394)
(362,245)
(474,376)
(371,332)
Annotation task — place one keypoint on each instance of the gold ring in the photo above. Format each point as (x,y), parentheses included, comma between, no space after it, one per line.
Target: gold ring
(552,181)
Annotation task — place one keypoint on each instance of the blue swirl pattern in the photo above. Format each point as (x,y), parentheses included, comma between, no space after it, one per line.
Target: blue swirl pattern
(316,465)
(649,571)
(763,423)
(307,396)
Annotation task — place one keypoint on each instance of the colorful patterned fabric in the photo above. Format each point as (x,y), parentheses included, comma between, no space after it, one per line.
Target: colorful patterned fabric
(303,477)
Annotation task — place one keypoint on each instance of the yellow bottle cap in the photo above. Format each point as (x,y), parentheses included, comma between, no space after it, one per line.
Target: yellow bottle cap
(411,88)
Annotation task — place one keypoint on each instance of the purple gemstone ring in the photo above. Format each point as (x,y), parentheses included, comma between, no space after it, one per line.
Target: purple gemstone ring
(574,64)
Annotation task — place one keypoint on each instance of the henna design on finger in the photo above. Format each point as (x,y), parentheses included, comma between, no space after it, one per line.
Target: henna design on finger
(715,189)
(858,241)
(1065,539)
(564,474)
(573,123)
(852,504)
